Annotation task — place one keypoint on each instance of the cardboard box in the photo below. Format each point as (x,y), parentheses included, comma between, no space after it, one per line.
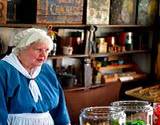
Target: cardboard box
(98,12)
(60,11)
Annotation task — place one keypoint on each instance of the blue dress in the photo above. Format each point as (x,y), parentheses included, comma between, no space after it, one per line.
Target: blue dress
(15,96)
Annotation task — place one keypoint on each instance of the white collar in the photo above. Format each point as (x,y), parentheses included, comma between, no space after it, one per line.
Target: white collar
(13,60)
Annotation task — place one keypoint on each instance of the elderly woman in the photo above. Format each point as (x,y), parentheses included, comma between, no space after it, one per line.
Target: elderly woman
(30,93)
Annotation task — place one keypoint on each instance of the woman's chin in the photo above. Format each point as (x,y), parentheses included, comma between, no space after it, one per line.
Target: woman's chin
(39,64)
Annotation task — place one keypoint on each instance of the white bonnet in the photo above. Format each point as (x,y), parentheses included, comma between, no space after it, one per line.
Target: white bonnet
(31,35)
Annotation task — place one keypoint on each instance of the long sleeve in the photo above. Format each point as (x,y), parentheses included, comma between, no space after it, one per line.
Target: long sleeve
(60,113)
(55,96)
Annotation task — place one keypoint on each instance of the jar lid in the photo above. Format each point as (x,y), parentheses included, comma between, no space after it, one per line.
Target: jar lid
(133,105)
(102,112)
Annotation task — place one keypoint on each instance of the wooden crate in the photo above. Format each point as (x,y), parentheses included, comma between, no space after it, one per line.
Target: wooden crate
(3,11)
(59,11)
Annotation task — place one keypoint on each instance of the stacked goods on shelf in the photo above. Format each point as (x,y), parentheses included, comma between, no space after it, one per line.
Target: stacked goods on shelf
(113,68)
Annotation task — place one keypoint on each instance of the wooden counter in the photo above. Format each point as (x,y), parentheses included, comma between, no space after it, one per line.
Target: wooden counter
(77,99)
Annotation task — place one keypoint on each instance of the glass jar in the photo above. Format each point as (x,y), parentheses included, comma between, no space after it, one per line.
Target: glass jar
(102,46)
(137,112)
(106,115)
(156,113)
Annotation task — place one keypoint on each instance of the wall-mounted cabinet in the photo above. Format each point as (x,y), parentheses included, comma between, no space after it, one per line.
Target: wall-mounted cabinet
(120,57)
(99,53)
(89,52)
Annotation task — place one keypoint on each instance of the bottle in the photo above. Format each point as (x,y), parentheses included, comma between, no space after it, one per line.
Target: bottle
(88,72)
(102,47)
(129,41)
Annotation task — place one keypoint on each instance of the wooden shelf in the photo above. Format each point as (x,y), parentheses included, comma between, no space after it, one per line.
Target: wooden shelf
(115,67)
(124,79)
(21,25)
(42,25)
(84,88)
(98,55)
(68,56)
(120,53)
(136,77)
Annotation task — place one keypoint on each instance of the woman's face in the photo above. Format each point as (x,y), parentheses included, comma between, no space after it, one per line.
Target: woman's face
(35,54)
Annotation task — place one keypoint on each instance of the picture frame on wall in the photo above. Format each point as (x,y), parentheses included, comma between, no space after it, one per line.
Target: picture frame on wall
(147,11)
(123,12)
(11,11)
(59,11)
(98,12)
(3,11)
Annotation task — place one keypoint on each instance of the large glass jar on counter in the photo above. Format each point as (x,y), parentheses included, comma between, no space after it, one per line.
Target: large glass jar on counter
(137,112)
(102,115)
(156,113)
